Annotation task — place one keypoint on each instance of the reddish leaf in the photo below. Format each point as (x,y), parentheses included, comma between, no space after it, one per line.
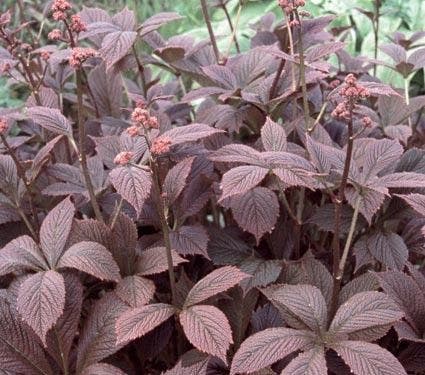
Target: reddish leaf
(239,180)
(98,338)
(116,45)
(236,153)
(416,201)
(368,359)
(403,180)
(92,258)
(21,253)
(133,184)
(191,239)
(175,181)
(189,133)
(50,119)
(20,351)
(364,310)
(215,282)
(304,301)
(60,340)
(407,294)
(273,136)
(102,368)
(256,211)
(139,321)
(41,301)
(208,329)
(267,347)
(135,290)
(154,260)
(263,272)
(311,362)
(157,20)
(55,230)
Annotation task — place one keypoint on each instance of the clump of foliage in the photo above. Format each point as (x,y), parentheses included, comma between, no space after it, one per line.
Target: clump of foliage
(260,212)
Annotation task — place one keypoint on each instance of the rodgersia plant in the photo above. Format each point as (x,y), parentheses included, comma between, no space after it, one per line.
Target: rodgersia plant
(260,212)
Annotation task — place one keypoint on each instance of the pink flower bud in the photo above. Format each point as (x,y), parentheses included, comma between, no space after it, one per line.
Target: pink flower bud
(55,34)
(367,122)
(3,126)
(133,131)
(123,158)
(77,25)
(161,146)
(79,55)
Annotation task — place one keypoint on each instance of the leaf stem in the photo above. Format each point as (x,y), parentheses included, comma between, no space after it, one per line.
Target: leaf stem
(210,30)
(338,207)
(81,146)
(233,36)
(407,97)
(229,20)
(302,71)
(141,70)
(22,175)
(165,230)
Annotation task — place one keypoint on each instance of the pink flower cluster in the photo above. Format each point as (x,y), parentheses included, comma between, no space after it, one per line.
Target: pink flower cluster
(55,34)
(77,25)
(123,158)
(161,145)
(59,9)
(142,119)
(3,126)
(79,55)
(290,5)
(352,92)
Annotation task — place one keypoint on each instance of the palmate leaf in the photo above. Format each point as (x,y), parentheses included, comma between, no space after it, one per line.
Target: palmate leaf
(41,301)
(240,180)
(416,201)
(190,239)
(8,175)
(20,351)
(154,260)
(368,359)
(116,45)
(61,338)
(237,153)
(311,362)
(311,271)
(263,272)
(215,282)
(50,119)
(133,184)
(102,368)
(21,253)
(267,347)
(92,258)
(378,155)
(98,337)
(403,180)
(304,301)
(55,230)
(256,211)
(137,322)
(364,310)
(135,290)
(407,294)
(156,21)
(189,133)
(175,181)
(387,248)
(208,329)
(273,136)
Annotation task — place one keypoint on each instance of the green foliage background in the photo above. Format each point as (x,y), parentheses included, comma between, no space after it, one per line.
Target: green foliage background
(397,15)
